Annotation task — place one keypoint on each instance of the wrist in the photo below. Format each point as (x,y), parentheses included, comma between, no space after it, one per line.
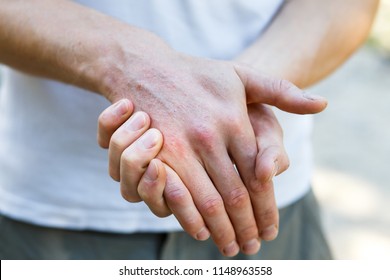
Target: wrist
(121,61)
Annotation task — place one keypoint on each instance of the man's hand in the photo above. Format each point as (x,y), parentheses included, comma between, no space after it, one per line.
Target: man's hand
(201,108)
(199,105)
(148,175)
(270,152)
(140,145)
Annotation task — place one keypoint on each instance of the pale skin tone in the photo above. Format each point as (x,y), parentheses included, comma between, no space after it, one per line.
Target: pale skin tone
(143,145)
(291,49)
(134,64)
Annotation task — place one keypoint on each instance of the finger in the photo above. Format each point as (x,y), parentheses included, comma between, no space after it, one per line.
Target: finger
(237,202)
(123,137)
(210,205)
(243,151)
(151,188)
(266,210)
(183,207)
(263,203)
(134,161)
(271,160)
(278,92)
(111,119)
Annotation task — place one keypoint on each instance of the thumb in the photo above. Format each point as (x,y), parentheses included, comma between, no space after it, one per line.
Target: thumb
(278,92)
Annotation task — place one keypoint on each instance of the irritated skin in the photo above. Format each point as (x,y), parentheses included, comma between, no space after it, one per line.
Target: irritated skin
(199,105)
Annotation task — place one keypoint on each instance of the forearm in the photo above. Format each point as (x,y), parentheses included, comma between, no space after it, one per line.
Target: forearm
(310,38)
(71,43)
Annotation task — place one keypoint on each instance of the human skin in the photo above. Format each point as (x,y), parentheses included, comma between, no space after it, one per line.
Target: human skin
(135,64)
(309,39)
(290,49)
(124,65)
(139,148)
(271,160)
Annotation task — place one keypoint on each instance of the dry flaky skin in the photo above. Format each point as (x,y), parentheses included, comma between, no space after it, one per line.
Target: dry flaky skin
(199,105)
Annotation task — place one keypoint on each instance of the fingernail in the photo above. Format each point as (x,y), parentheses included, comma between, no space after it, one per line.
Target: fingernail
(149,139)
(120,108)
(203,234)
(151,173)
(231,250)
(136,122)
(269,233)
(313,97)
(251,247)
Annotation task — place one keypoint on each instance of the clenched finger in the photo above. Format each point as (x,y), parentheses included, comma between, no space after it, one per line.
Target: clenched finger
(112,118)
(122,138)
(135,160)
(152,185)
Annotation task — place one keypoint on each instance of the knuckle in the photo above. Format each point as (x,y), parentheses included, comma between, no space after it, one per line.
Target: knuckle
(192,224)
(205,136)
(102,141)
(176,196)
(281,85)
(250,152)
(158,207)
(103,121)
(237,198)
(268,216)
(234,120)
(161,213)
(212,207)
(127,159)
(114,173)
(145,191)
(117,142)
(103,133)
(248,232)
(257,187)
(283,164)
(287,164)
(265,176)
(133,161)
(128,195)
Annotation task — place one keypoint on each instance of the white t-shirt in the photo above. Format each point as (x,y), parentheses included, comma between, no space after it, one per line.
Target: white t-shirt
(52,171)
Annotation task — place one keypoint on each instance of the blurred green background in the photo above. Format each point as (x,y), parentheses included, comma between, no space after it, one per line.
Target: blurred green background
(380,34)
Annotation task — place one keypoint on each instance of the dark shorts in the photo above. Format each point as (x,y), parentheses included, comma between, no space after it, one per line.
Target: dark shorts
(300,237)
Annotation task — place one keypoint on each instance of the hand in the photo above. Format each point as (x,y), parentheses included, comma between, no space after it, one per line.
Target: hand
(136,64)
(200,146)
(141,146)
(292,103)
(271,160)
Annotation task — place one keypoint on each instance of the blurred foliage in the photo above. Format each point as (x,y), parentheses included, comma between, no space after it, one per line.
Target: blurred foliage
(380,33)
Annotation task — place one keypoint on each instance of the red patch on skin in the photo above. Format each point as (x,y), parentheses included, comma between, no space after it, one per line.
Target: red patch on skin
(174,150)
(139,87)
